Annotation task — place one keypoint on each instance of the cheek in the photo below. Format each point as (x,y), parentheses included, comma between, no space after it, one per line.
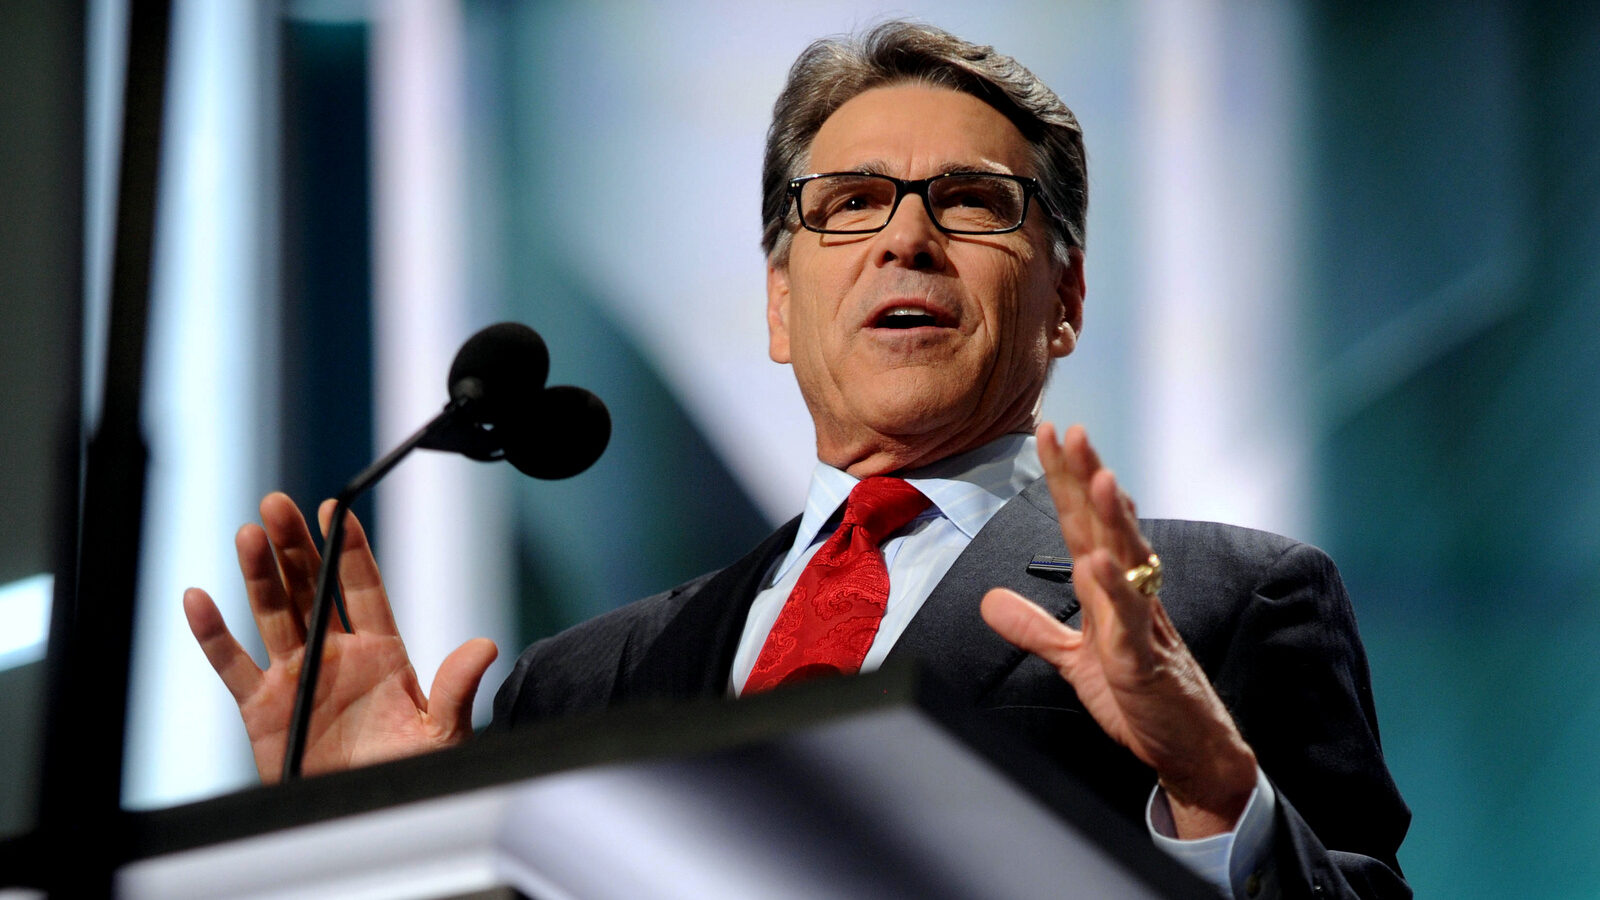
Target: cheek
(815,315)
(1023,312)
(1015,308)
(809,336)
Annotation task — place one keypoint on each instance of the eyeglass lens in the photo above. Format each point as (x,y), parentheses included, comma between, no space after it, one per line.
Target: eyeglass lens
(849,202)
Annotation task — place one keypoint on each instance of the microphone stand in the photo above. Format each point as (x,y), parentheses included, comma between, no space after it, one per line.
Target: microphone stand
(450,430)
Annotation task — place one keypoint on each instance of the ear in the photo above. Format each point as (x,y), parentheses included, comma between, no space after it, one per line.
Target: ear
(1070,290)
(778,312)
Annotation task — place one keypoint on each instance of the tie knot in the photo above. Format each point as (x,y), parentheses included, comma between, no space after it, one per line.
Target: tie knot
(881,505)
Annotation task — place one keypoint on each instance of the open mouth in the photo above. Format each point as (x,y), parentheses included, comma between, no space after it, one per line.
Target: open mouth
(903,317)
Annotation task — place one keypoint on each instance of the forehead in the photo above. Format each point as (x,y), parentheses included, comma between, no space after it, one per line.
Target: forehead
(916,130)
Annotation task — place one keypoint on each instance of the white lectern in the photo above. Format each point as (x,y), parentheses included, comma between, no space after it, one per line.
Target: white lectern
(862,787)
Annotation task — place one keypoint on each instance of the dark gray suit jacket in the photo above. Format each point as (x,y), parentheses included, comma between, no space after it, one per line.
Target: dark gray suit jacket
(1267,618)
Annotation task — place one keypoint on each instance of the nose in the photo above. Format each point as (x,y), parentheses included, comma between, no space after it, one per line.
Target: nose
(910,238)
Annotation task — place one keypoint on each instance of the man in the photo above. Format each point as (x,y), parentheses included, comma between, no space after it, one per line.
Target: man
(924,206)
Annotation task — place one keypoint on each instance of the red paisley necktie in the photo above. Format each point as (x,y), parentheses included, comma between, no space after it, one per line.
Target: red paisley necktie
(832,615)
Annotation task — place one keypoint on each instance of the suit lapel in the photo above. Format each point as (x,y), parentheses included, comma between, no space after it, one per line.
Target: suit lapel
(693,653)
(948,636)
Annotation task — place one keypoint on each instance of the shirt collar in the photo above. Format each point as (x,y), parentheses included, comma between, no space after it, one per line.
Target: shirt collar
(968,489)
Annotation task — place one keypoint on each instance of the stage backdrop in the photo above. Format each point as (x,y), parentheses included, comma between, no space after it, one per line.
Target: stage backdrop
(1341,280)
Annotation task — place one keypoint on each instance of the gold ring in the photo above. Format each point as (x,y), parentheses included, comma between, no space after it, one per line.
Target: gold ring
(1146,577)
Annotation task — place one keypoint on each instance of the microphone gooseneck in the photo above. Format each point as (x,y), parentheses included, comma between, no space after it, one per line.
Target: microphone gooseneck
(499,409)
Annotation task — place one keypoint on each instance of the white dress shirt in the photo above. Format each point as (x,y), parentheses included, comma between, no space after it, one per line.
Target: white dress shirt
(967,490)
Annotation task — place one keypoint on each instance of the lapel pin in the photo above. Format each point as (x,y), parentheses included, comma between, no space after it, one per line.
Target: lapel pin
(1056,568)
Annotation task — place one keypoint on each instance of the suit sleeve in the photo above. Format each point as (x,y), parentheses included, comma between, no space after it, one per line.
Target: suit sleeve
(1297,681)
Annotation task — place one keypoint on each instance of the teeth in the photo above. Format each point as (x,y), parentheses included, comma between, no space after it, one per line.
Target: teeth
(906,317)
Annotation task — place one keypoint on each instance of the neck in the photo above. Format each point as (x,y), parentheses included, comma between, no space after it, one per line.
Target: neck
(861,451)
(887,456)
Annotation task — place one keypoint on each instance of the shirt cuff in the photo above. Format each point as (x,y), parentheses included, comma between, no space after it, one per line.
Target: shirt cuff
(1226,860)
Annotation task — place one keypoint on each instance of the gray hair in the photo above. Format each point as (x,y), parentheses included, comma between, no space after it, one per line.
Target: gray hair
(833,70)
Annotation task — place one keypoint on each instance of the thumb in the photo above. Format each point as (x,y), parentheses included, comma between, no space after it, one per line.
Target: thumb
(1023,623)
(456,683)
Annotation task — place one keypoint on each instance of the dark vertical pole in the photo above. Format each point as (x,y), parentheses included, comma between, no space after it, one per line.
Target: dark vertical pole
(326,245)
(90,635)
(42,77)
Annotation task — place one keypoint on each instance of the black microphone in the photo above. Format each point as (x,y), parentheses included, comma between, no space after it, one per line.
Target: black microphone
(495,380)
(564,431)
(499,368)
(499,409)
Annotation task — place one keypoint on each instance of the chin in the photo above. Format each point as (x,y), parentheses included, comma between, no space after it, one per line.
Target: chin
(916,414)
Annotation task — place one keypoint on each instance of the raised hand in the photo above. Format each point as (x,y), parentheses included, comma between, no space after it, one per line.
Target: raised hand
(1128,664)
(369,706)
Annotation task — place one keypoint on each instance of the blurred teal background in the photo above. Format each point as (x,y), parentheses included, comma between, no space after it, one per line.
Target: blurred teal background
(1455,160)
(1342,270)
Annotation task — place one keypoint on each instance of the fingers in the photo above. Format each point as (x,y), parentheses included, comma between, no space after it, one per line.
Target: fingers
(1069,466)
(1068,488)
(450,700)
(1093,509)
(281,623)
(1081,459)
(359,578)
(1073,461)
(1115,510)
(1068,460)
(1020,621)
(1122,614)
(297,555)
(239,672)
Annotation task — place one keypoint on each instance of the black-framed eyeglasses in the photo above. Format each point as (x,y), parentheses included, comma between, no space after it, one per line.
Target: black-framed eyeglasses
(958,202)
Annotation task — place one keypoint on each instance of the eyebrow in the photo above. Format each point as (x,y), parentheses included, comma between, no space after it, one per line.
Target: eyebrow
(879,167)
